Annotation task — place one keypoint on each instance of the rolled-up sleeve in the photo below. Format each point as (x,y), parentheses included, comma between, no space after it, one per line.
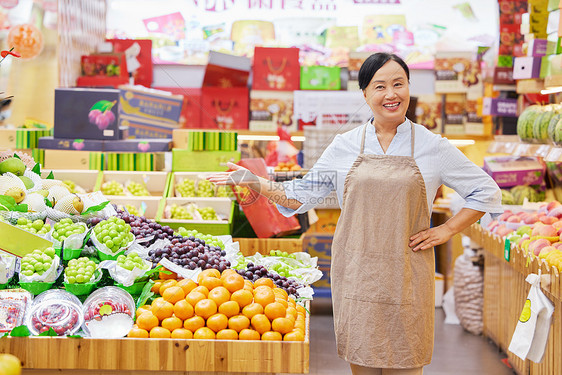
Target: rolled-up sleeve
(314,186)
(471,182)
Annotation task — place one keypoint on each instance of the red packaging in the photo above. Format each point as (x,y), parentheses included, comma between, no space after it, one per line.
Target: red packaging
(224,108)
(190,117)
(103,70)
(143,74)
(263,216)
(276,69)
(225,70)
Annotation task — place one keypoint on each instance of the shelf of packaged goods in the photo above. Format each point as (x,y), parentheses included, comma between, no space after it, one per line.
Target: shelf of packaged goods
(530,86)
(59,355)
(505,292)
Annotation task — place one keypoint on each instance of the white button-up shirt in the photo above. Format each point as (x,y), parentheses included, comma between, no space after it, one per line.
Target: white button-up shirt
(438,160)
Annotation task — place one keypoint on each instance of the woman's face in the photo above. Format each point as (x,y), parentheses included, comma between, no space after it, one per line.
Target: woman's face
(388,94)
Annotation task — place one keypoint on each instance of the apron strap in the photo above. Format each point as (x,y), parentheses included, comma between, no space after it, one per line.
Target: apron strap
(363,138)
(412,139)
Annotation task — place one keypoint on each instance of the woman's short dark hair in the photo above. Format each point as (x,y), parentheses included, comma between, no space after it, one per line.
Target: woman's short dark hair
(374,63)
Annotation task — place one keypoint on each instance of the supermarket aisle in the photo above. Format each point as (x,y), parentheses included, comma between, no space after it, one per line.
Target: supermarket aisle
(456,351)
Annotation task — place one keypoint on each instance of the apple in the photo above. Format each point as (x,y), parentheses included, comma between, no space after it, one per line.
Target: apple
(493,225)
(548,231)
(514,219)
(536,229)
(557,245)
(531,219)
(541,214)
(502,230)
(523,239)
(557,224)
(545,250)
(505,215)
(524,229)
(556,212)
(536,245)
(548,220)
(551,205)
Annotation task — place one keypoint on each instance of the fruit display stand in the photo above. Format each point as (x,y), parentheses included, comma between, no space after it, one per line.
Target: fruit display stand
(150,204)
(58,355)
(86,179)
(155,182)
(505,291)
(263,246)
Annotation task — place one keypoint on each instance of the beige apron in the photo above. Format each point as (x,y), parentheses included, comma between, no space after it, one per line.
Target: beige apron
(382,291)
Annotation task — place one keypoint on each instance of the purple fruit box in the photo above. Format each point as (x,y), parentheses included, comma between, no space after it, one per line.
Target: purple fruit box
(510,171)
(85,113)
(51,143)
(139,145)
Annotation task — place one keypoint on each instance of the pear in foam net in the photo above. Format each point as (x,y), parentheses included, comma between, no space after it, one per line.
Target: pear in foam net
(71,204)
(12,187)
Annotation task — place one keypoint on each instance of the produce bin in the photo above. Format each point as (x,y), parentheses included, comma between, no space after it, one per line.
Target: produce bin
(155,182)
(250,246)
(152,204)
(86,179)
(224,207)
(176,177)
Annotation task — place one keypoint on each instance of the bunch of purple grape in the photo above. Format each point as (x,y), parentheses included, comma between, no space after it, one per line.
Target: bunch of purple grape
(191,253)
(141,227)
(254,272)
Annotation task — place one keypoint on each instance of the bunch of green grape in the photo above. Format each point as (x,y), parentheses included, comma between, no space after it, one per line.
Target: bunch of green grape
(35,227)
(137,189)
(131,261)
(205,188)
(112,188)
(37,262)
(225,191)
(114,233)
(66,228)
(208,213)
(209,239)
(80,270)
(179,212)
(71,185)
(186,188)
(132,210)
(279,253)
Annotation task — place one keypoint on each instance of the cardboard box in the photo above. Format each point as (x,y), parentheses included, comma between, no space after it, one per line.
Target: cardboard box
(67,159)
(526,67)
(356,59)
(86,179)
(428,112)
(156,182)
(505,61)
(51,143)
(22,138)
(191,108)
(455,72)
(103,69)
(327,221)
(503,76)
(225,70)
(140,64)
(320,246)
(510,171)
(276,69)
(320,78)
(75,116)
(224,208)
(142,128)
(500,107)
(327,108)
(133,161)
(537,47)
(270,109)
(194,140)
(474,123)
(224,108)
(265,219)
(194,161)
(150,104)
(139,145)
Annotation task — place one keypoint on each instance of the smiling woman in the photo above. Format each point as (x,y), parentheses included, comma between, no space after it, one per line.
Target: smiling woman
(386,174)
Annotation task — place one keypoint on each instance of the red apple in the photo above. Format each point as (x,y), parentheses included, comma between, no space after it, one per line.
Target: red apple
(556,212)
(503,231)
(521,240)
(557,245)
(514,219)
(536,229)
(505,215)
(531,219)
(548,220)
(552,205)
(548,231)
(541,214)
(493,225)
(536,245)
(545,250)
(557,224)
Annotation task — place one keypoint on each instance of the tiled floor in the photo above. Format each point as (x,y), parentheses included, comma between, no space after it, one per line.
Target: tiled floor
(456,351)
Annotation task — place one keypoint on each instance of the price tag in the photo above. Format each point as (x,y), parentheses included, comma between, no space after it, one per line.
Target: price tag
(507,250)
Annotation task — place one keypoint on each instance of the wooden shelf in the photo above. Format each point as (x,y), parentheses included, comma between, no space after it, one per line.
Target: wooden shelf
(530,86)
(554,80)
(469,136)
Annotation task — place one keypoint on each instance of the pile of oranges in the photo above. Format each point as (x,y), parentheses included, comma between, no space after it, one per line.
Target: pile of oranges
(223,307)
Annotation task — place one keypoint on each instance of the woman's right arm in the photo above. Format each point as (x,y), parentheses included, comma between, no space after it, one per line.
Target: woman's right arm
(273,191)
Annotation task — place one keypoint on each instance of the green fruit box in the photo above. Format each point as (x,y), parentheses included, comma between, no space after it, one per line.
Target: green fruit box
(67,159)
(320,78)
(177,177)
(135,161)
(19,242)
(224,207)
(22,138)
(197,140)
(202,161)
(155,182)
(146,206)
(87,180)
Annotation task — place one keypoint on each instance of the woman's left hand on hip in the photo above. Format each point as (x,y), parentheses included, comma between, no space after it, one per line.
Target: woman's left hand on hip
(428,238)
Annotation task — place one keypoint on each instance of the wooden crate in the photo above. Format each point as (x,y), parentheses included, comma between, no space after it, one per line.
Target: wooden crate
(58,355)
(251,246)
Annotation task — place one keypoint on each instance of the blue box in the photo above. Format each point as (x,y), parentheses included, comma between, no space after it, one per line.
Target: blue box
(86,113)
(320,245)
(144,128)
(154,105)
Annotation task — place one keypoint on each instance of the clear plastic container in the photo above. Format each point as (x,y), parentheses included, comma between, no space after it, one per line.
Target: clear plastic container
(55,309)
(111,310)
(14,304)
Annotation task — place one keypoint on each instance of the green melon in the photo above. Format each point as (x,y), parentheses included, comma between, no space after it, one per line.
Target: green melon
(525,122)
(557,136)
(541,123)
(552,126)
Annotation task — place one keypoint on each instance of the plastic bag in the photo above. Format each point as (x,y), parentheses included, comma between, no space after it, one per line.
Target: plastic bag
(122,275)
(7,266)
(531,334)
(74,241)
(49,276)
(104,249)
(182,272)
